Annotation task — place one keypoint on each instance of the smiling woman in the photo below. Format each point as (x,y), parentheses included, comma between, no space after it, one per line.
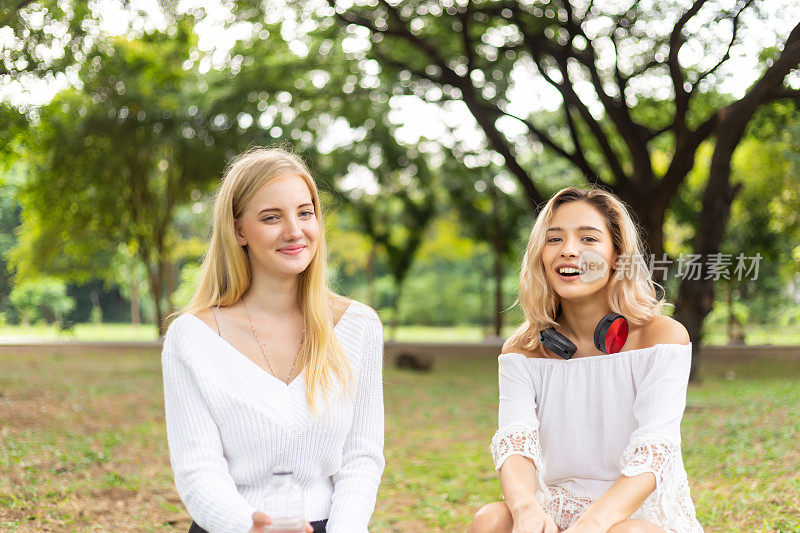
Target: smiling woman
(267,369)
(280,218)
(592,385)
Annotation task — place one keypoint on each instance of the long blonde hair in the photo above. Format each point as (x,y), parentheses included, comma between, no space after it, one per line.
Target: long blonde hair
(634,297)
(226,272)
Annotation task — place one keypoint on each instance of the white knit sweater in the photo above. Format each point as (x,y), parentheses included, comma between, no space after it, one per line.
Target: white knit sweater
(229,423)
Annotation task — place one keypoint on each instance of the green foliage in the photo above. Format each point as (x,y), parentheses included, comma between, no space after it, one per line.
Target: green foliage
(44,298)
(111,161)
(118,168)
(45,37)
(189,275)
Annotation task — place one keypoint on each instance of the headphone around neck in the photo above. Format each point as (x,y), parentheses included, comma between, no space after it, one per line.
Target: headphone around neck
(609,337)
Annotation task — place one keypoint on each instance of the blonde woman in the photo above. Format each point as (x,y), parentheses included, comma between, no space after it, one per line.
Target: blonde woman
(592,384)
(267,368)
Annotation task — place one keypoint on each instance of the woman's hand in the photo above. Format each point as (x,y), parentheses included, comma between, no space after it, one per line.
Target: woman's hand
(533,520)
(580,528)
(261,521)
(586,525)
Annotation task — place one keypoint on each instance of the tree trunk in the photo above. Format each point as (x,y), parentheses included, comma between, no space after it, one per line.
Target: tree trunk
(97,311)
(696,296)
(373,254)
(156,288)
(398,291)
(136,316)
(735,328)
(498,289)
(155,292)
(651,220)
(171,281)
(497,252)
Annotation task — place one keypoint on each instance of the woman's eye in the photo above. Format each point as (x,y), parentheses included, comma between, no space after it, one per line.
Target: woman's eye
(591,239)
(307,214)
(271,218)
(553,239)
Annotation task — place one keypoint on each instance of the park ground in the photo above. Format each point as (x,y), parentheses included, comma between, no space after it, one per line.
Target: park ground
(83,445)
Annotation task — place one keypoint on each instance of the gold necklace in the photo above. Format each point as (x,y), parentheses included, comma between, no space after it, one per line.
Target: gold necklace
(264,352)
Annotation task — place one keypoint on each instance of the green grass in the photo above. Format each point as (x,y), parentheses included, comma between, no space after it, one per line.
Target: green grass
(83,332)
(82,445)
(755,333)
(758,334)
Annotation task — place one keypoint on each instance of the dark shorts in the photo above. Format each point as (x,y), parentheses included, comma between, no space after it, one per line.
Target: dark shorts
(319,527)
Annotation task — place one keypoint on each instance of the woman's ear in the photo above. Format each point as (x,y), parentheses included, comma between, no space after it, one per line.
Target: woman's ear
(239,235)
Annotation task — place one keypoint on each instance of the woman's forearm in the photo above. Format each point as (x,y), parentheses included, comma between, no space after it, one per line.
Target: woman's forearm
(518,481)
(619,502)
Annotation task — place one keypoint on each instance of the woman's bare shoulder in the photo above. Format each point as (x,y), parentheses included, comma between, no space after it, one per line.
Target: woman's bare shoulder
(207,316)
(339,306)
(512,347)
(664,330)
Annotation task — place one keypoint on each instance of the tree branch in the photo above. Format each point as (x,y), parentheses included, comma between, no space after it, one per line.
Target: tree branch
(676,41)
(398,31)
(466,17)
(780,94)
(486,115)
(537,47)
(582,163)
(727,55)
(635,135)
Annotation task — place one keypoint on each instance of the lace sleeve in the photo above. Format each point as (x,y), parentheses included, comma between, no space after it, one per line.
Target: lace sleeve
(649,454)
(517,439)
(671,501)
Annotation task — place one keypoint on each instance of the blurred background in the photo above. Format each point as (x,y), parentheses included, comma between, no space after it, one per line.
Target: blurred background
(435,129)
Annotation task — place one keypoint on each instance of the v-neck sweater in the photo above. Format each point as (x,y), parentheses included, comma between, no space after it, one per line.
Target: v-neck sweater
(230,423)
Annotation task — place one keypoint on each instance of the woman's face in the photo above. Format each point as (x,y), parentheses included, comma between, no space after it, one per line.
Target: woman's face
(280,227)
(578,250)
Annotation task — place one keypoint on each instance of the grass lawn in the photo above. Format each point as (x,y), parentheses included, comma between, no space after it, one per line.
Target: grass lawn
(755,333)
(83,447)
(82,332)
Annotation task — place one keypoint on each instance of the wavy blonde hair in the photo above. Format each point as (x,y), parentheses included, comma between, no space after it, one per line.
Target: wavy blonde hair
(226,272)
(634,297)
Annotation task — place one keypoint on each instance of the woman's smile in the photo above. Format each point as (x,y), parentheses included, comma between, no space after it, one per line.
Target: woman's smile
(294,249)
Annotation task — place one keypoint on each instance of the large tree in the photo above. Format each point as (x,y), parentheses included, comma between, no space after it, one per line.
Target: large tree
(611,66)
(491,213)
(111,161)
(313,94)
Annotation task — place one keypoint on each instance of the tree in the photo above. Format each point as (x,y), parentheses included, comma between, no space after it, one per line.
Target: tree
(111,161)
(342,129)
(44,297)
(493,213)
(9,219)
(398,210)
(605,64)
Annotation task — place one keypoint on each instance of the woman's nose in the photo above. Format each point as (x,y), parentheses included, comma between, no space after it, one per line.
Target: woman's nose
(569,248)
(291,230)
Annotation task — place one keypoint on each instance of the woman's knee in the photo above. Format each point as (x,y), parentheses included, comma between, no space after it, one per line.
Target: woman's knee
(492,518)
(636,526)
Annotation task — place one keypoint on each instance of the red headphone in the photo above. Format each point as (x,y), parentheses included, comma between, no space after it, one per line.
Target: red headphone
(609,337)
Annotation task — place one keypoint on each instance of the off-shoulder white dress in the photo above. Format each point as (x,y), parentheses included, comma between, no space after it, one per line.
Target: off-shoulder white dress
(586,421)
